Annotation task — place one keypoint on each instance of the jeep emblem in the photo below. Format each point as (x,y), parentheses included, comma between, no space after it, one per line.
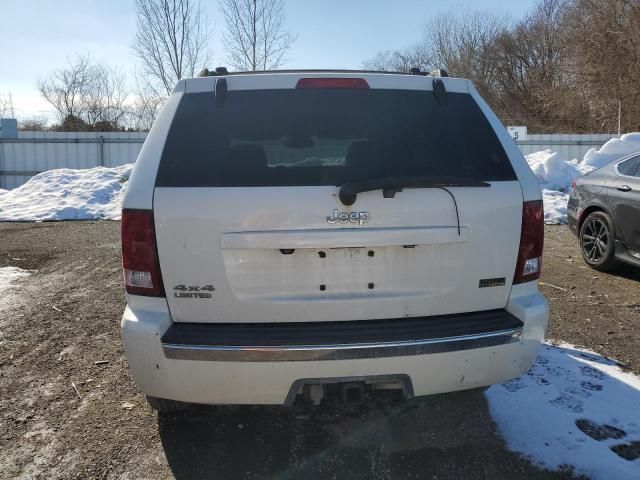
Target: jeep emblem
(348,217)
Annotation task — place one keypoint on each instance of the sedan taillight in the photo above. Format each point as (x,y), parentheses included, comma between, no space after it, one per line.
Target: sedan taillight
(140,263)
(531,242)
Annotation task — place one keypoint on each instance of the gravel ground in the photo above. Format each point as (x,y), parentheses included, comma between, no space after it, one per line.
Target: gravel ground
(65,318)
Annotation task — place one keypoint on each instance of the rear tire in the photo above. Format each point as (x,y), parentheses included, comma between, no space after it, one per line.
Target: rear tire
(163,405)
(597,242)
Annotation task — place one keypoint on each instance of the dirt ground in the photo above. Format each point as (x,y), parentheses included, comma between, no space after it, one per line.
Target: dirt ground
(589,308)
(65,318)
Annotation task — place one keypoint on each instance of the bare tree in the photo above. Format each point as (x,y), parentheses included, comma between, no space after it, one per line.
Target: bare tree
(106,98)
(256,37)
(566,66)
(67,89)
(532,71)
(145,106)
(171,40)
(464,44)
(35,124)
(401,60)
(6,106)
(604,51)
(461,43)
(86,95)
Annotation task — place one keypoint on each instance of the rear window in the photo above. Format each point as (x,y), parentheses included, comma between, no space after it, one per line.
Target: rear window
(327,137)
(629,167)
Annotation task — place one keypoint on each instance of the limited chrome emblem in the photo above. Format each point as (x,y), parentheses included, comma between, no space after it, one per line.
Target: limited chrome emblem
(348,217)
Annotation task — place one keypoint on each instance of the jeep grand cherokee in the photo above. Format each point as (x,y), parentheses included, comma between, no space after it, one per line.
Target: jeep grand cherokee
(293,233)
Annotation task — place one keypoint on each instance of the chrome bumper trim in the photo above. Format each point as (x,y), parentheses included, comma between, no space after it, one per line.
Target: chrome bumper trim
(301,353)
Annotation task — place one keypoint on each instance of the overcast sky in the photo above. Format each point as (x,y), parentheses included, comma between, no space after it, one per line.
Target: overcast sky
(37,36)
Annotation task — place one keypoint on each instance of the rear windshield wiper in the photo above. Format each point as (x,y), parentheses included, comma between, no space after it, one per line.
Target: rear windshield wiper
(391,185)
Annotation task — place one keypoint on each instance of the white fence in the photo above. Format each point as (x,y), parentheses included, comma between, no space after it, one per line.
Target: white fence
(34,152)
(570,146)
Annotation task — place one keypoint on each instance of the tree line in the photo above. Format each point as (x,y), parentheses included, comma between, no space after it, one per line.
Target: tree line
(568,66)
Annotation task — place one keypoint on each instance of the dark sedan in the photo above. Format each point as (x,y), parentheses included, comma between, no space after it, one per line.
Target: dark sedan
(604,213)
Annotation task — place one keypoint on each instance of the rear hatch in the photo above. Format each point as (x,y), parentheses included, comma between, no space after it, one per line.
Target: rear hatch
(251,227)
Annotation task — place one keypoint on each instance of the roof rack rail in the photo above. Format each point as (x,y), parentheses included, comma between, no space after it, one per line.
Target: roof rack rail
(219,71)
(208,73)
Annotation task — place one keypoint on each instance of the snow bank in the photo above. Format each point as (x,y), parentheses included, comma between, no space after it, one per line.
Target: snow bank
(612,150)
(574,407)
(3,191)
(552,170)
(555,206)
(555,173)
(68,194)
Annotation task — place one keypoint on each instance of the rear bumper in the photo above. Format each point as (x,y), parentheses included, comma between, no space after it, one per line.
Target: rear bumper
(294,342)
(433,364)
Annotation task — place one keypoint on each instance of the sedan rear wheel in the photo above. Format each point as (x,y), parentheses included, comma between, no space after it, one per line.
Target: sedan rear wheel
(597,241)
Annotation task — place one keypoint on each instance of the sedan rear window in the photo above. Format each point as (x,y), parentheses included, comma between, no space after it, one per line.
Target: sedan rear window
(629,167)
(327,137)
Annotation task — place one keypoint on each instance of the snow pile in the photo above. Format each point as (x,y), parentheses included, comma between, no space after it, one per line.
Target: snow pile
(67,194)
(612,150)
(573,407)
(555,173)
(3,191)
(552,170)
(555,206)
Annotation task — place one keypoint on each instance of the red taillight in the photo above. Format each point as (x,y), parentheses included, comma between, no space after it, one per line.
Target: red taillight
(531,242)
(139,254)
(323,82)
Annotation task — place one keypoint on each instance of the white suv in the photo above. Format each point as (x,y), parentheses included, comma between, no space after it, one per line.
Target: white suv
(328,232)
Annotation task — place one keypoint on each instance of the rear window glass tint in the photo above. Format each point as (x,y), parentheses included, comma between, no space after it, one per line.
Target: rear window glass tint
(327,137)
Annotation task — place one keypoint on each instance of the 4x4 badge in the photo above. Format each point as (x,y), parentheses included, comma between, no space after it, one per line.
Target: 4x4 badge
(193,291)
(348,217)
